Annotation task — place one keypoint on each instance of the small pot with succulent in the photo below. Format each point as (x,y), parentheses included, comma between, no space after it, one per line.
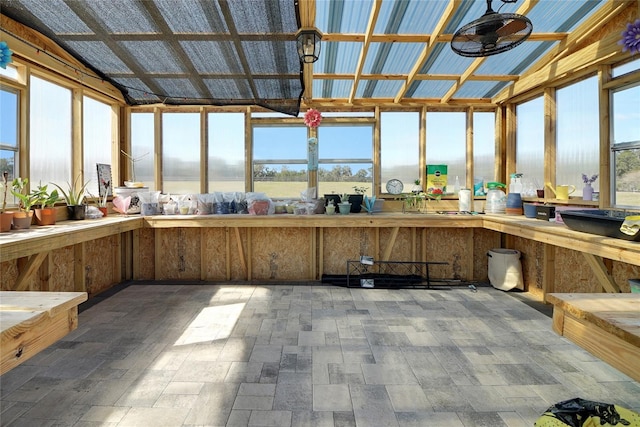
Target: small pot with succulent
(22,218)
(345,205)
(6,218)
(46,213)
(74,197)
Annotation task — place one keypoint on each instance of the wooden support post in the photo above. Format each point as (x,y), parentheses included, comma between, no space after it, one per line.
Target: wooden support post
(79,277)
(321,253)
(116,253)
(548,271)
(135,254)
(157,239)
(45,273)
(227,252)
(602,274)
(241,255)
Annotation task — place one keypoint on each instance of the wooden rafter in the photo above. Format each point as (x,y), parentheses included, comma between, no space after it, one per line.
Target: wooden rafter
(373,17)
(437,31)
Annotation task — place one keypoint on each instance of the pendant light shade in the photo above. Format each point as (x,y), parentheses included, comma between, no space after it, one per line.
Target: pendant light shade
(308,42)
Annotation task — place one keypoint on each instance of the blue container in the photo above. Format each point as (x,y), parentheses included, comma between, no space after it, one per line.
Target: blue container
(514,200)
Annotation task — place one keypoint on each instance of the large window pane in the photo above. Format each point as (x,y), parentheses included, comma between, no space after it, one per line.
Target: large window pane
(578,139)
(9,108)
(446,144)
(226,152)
(626,146)
(50,133)
(345,155)
(530,141)
(400,148)
(142,149)
(181,153)
(97,140)
(484,151)
(280,160)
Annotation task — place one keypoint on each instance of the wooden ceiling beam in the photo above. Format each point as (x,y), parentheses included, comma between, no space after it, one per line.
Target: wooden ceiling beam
(373,17)
(439,28)
(307,10)
(415,38)
(482,78)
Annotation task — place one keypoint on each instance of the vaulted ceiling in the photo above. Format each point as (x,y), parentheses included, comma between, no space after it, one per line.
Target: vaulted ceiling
(239,52)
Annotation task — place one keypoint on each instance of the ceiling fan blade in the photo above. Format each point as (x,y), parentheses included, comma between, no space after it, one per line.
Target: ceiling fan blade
(514,26)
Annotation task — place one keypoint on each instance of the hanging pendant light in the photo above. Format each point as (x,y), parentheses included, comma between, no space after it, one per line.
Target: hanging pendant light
(308,42)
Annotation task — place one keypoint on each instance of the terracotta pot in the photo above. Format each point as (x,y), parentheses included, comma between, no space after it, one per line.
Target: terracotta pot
(6,218)
(46,216)
(103,210)
(22,220)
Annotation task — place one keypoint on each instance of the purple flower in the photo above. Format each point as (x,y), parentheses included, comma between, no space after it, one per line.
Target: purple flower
(588,180)
(631,38)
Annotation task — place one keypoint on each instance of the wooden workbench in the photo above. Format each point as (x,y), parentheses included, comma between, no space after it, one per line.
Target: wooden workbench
(606,325)
(32,321)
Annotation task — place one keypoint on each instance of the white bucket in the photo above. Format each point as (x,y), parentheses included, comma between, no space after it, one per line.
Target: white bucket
(505,269)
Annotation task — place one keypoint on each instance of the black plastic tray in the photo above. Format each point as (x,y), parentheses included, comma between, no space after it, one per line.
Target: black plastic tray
(601,222)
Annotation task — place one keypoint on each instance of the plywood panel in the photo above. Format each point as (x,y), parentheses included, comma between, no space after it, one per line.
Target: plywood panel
(145,254)
(99,260)
(281,254)
(622,272)
(62,270)
(214,246)
(179,254)
(572,274)
(444,244)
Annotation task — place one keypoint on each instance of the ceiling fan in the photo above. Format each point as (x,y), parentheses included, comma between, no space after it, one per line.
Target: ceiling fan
(492,33)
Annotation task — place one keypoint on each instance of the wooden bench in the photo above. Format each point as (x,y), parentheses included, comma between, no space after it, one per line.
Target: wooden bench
(606,325)
(32,321)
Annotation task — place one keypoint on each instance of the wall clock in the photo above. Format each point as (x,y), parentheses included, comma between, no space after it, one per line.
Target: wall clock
(394,186)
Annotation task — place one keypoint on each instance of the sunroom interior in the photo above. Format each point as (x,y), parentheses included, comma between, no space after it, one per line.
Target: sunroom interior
(232,319)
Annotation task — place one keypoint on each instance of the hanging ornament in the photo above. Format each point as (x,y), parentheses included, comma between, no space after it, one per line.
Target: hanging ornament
(631,38)
(312,118)
(5,55)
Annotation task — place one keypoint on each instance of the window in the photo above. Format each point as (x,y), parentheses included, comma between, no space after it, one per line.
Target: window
(530,141)
(626,146)
(345,154)
(9,131)
(50,133)
(400,148)
(97,140)
(578,138)
(280,160)
(446,144)
(484,151)
(226,152)
(142,149)
(181,153)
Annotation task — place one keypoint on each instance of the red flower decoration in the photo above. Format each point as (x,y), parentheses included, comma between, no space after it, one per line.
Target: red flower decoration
(312,118)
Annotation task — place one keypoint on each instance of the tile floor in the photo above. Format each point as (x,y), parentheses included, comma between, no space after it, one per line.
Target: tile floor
(306,355)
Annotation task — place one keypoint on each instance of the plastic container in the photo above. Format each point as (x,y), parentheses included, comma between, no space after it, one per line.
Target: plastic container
(496,202)
(514,204)
(464,200)
(530,210)
(505,269)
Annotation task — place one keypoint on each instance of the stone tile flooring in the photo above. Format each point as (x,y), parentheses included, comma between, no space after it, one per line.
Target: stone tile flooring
(306,355)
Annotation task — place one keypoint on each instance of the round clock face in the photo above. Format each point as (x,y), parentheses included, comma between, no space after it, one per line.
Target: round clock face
(394,186)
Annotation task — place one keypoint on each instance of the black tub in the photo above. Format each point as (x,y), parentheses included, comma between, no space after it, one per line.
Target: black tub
(600,222)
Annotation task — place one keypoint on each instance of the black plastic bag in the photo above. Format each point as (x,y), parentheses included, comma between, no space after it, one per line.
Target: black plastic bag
(579,412)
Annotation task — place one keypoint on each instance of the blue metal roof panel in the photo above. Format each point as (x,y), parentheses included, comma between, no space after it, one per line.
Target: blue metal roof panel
(553,15)
(378,88)
(343,16)
(332,88)
(479,89)
(391,58)
(338,57)
(432,88)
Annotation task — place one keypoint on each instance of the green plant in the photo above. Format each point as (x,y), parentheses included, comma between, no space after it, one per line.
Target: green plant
(44,198)
(417,181)
(360,190)
(25,200)
(344,198)
(74,195)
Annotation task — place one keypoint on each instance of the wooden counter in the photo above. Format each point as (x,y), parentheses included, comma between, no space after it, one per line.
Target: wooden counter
(32,321)
(607,325)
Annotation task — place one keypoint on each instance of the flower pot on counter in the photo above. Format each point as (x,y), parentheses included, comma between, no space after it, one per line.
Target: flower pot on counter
(344,208)
(104,210)
(45,216)
(356,202)
(6,218)
(22,220)
(76,212)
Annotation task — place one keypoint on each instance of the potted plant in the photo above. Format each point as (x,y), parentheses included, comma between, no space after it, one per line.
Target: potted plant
(22,218)
(345,205)
(46,213)
(5,217)
(356,199)
(74,196)
(417,187)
